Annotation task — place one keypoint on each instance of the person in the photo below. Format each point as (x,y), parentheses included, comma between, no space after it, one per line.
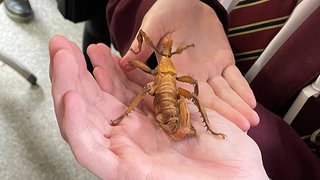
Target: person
(136,149)
(222,87)
(85,105)
(19,10)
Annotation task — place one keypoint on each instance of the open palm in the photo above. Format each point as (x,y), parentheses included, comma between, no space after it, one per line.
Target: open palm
(211,61)
(137,148)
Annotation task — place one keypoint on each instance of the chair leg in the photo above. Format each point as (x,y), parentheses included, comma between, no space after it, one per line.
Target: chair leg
(19,68)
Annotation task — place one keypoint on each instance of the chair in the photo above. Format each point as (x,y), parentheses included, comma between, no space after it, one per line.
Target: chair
(303,84)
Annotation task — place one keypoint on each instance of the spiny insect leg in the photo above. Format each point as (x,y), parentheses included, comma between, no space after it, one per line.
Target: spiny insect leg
(143,67)
(132,105)
(142,35)
(202,111)
(190,80)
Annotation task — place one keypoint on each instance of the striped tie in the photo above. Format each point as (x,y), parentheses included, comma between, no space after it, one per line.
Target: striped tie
(253,24)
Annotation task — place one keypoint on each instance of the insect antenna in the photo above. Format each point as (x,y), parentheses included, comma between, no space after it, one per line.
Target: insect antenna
(171,32)
(167,32)
(163,28)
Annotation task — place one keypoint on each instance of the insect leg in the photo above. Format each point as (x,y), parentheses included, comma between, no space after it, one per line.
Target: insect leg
(133,104)
(140,40)
(185,124)
(142,35)
(190,80)
(142,66)
(195,100)
(182,128)
(182,48)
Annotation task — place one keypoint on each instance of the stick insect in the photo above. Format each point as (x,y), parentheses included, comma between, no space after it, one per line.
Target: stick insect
(170,106)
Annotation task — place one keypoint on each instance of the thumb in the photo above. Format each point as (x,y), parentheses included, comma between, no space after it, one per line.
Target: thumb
(139,45)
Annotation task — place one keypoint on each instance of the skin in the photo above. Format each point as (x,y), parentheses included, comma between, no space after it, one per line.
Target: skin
(137,148)
(211,61)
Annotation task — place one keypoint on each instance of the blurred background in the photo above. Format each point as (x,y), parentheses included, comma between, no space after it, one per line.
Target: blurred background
(30,143)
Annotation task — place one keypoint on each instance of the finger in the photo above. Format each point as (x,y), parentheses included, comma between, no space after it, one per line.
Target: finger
(64,77)
(227,111)
(78,118)
(90,148)
(104,80)
(57,43)
(82,65)
(223,90)
(102,65)
(218,123)
(109,74)
(70,73)
(107,84)
(101,56)
(140,77)
(239,84)
(99,53)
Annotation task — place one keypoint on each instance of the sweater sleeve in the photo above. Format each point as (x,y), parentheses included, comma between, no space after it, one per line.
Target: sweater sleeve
(124,17)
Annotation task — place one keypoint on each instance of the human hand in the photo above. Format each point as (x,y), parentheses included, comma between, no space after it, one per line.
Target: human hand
(136,148)
(211,62)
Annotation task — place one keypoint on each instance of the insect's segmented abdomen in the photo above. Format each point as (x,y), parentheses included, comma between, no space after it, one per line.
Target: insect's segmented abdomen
(165,102)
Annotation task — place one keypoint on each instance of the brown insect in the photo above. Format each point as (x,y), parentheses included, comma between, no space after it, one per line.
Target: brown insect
(171,110)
